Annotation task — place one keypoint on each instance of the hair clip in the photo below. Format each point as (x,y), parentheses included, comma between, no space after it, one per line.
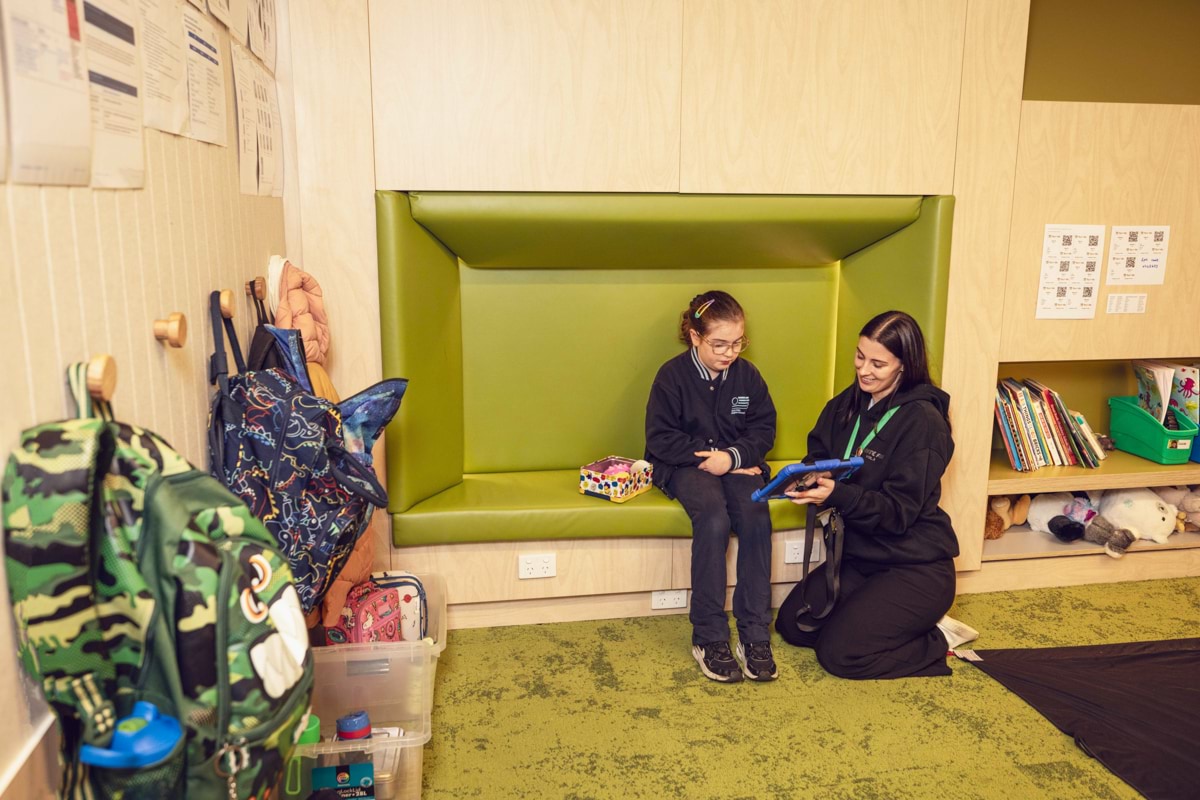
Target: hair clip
(704,307)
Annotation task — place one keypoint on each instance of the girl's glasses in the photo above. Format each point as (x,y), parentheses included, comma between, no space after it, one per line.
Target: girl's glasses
(721,348)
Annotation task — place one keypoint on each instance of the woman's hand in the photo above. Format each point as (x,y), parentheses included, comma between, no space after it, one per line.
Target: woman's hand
(817,492)
(716,462)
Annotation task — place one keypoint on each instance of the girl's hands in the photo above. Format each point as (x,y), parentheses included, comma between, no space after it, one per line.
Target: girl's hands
(716,462)
(817,492)
(746,471)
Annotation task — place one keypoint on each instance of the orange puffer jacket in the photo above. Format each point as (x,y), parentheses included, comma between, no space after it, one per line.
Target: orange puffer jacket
(302,306)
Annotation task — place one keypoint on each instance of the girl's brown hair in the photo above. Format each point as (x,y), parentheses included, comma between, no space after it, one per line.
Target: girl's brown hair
(707,309)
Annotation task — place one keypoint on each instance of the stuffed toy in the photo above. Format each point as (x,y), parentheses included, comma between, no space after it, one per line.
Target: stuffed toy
(1143,512)
(1069,518)
(1003,512)
(1187,501)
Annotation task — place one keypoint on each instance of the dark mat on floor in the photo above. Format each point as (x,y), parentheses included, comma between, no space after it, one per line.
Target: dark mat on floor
(1134,707)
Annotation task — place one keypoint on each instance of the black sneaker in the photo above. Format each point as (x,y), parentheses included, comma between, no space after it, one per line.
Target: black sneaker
(758,663)
(716,662)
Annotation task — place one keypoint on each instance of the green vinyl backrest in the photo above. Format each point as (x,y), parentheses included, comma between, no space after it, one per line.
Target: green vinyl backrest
(531,326)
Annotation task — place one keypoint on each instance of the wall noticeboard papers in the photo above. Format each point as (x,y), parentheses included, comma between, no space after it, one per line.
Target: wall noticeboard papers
(1070,277)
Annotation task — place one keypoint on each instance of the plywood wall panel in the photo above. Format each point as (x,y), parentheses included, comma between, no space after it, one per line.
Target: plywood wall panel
(820,96)
(988,125)
(538,95)
(1106,164)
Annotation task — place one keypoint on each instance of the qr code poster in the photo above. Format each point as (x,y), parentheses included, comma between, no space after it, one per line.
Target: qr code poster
(1070,278)
(1138,254)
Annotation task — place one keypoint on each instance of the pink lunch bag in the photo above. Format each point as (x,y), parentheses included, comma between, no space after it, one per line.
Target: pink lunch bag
(388,607)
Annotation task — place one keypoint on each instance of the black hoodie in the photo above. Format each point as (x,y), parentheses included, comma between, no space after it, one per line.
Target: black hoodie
(890,504)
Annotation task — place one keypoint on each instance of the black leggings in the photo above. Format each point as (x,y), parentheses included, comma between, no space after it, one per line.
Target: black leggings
(884,622)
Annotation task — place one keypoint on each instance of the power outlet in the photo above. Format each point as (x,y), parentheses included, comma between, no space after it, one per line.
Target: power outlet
(794,551)
(671,598)
(541,565)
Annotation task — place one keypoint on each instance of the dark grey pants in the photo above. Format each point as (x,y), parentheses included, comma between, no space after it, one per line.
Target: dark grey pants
(884,622)
(717,506)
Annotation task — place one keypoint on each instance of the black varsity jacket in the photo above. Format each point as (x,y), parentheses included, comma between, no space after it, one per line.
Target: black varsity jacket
(688,412)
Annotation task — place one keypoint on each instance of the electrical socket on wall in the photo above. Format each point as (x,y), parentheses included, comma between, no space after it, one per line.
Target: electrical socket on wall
(793,552)
(540,565)
(671,598)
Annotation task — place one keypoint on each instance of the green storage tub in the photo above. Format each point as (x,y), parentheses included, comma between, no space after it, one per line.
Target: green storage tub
(1135,431)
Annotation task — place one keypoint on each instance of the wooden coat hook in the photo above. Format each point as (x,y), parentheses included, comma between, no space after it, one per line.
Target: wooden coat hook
(173,329)
(227,303)
(102,377)
(257,288)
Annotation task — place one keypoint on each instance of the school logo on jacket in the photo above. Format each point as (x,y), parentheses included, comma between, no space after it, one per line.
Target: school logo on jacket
(740,404)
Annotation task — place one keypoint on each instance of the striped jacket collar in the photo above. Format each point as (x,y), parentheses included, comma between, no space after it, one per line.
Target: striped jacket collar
(703,370)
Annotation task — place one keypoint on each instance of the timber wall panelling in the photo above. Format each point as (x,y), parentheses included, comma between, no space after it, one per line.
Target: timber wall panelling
(985,165)
(1110,164)
(821,96)
(88,271)
(540,95)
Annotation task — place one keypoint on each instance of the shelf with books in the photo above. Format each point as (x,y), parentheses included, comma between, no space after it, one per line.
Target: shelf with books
(1118,471)
(1019,542)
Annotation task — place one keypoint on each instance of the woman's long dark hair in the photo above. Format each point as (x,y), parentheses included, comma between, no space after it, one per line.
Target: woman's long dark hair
(901,335)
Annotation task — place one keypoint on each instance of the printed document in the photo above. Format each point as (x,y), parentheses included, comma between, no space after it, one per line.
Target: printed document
(206,79)
(1070,276)
(246,107)
(164,66)
(114,75)
(262,31)
(1138,254)
(268,134)
(49,131)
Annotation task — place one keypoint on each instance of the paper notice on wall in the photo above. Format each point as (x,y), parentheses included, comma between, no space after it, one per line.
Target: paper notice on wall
(239,21)
(268,134)
(220,9)
(164,65)
(199,4)
(1137,254)
(1070,276)
(262,31)
(277,128)
(206,79)
(1126,304)
(246,107)
(49,134)
(114,78)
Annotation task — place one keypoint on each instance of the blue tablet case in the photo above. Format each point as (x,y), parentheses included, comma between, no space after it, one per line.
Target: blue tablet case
(774,489)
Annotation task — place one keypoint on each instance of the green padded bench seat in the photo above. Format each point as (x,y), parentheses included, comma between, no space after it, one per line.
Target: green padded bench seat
(530,328)
(513,506)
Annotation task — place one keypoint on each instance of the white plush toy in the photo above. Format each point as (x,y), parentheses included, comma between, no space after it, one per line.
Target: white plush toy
(1187,501)
(1143,512)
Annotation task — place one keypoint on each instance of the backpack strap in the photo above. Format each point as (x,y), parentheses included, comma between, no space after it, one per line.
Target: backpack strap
(85,406)
(52,502)
(833,533)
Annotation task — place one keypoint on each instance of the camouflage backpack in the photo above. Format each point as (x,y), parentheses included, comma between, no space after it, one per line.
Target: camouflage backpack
(135,577)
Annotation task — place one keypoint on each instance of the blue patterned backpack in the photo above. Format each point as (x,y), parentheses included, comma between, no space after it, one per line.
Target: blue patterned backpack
(301,463)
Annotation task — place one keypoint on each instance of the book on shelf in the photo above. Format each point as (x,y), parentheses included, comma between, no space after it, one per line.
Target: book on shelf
(1037,429)
(1185,388)
(1019,400)
(1154,387)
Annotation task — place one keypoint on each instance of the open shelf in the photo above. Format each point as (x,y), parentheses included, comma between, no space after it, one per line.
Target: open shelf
(1119,471)
(1020,542)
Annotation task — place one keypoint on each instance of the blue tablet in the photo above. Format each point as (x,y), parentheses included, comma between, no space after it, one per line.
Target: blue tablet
(774,490)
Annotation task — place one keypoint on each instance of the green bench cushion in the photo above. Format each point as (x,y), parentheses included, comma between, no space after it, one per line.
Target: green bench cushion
(519,506)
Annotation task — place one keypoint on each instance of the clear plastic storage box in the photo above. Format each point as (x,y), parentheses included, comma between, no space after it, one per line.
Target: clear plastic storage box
(393,683)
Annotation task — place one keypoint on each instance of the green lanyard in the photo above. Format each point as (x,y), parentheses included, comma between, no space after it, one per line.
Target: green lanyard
(854,433)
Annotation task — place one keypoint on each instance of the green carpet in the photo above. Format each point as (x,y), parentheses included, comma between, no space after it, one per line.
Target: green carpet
(618,709)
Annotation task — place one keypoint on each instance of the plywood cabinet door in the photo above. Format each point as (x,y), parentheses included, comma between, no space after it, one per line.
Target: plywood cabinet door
(538,95)
(821,96)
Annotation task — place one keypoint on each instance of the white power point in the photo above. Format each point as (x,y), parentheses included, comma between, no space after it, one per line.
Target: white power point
(794,551)
(671,598)
(541,565)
